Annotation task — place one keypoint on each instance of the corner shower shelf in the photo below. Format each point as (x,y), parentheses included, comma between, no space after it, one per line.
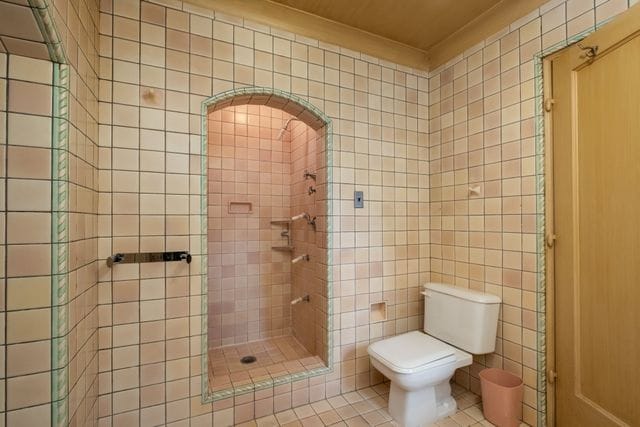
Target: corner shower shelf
(283,248)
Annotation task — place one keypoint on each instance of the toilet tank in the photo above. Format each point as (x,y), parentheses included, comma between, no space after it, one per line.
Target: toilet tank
(461,317)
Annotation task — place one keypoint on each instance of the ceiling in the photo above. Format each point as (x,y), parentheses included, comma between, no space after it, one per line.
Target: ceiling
(422,34)
(417,23)
(419,33)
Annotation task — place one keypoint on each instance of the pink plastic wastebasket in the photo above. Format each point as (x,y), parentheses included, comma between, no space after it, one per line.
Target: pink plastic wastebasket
(501,397)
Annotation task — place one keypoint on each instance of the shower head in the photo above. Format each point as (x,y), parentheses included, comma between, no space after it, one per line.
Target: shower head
(281,132)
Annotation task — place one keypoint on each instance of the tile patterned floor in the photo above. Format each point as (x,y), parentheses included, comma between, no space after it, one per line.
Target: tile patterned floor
(275,357)
(368,407)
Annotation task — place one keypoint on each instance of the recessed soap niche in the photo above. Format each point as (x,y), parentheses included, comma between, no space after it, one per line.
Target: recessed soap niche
(240,207)
(378,311)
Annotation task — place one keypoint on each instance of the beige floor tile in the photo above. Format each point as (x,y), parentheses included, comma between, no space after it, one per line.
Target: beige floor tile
(363,407)
(447,422)
(346,412)
(268,421)
(463,419)
(337,401)
(304,411)
(374,418)
(286,416)
(330,417)
(475,412)
(312,421)
(321,406)
(353,397)
(368,393)
(357,422)
(368,407)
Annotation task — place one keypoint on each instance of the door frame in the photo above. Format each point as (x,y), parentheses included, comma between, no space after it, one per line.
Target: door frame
(548,252)
(620,27)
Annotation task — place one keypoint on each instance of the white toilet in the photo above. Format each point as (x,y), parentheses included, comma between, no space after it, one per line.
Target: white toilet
(420,365)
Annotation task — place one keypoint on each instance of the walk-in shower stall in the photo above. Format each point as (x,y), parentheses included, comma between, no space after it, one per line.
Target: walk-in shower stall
(267,243)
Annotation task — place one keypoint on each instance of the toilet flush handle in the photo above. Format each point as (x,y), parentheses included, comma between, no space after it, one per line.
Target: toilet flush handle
(426,294)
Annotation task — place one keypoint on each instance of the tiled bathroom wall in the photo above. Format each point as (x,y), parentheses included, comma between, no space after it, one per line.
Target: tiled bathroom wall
(308,195)
(30,148)
(484,188)
(75,193)
(48,334)
(447,165)
(26,237)
(158,63)
(248,175)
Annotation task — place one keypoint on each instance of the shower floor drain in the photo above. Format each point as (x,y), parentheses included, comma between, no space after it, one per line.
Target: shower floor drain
(248,359)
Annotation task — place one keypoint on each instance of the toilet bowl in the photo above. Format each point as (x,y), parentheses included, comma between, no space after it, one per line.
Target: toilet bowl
(419,367)
(421,364)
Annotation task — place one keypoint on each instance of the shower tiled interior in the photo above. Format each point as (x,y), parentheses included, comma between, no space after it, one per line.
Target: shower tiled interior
(274,357)
(249,283)
(261,172)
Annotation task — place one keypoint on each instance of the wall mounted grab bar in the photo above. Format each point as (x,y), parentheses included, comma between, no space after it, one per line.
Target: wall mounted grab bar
(136,258)
(305,298)
(297,259)
(310,220)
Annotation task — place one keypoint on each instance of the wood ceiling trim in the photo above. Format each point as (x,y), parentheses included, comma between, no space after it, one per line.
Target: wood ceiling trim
(487,24)
(316,27)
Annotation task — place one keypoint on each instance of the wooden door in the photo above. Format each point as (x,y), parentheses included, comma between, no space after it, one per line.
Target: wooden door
(595,171)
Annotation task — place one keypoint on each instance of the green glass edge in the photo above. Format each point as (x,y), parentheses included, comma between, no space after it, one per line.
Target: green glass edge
(43,15)
(44,19)
(59,246)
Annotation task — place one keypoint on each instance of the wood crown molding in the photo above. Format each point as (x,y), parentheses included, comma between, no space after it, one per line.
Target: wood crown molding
(484,26)
(313,26)
(316,27)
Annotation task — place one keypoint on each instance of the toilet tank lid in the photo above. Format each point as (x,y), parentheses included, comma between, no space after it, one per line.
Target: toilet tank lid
(463,293)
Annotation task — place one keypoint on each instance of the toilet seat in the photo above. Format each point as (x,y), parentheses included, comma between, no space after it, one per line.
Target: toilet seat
(412,352)
(420,364)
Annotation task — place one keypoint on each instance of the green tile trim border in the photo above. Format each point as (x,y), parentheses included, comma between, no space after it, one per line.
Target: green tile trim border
(44,17)
(243,96)
(60,247)
(540,216)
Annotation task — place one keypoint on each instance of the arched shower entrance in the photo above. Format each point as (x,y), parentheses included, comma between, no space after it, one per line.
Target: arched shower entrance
(266,214)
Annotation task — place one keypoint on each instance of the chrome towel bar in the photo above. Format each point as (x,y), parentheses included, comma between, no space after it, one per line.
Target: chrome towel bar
(136,258)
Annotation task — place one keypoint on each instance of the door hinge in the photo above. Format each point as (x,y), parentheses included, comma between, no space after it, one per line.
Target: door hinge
(551,376)
(551,240)
(548,104)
